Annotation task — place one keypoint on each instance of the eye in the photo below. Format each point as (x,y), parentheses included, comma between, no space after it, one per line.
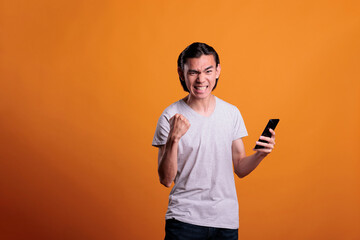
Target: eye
(208,71)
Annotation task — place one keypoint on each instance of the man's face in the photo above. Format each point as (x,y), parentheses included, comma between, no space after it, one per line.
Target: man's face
(200,75)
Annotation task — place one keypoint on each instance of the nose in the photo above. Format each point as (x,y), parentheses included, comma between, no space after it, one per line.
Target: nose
(200,78)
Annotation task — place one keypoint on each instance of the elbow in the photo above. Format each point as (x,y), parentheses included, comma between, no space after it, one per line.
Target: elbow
(165,182)
(240,174)
(165,179)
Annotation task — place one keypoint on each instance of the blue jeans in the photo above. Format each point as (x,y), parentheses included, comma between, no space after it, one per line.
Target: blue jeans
(176,230)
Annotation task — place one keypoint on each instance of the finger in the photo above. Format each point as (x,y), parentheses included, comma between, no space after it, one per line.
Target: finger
(179,117)
(266,145)
(174,119)
(267,139)
(263,150)
(272,133)
(176,115)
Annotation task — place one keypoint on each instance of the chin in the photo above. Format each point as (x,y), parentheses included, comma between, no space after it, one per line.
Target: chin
(201,96)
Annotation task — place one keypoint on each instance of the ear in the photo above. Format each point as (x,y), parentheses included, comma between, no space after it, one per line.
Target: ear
(181,74)
(218,70)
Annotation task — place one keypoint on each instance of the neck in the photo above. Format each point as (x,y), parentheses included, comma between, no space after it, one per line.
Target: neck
(202,106)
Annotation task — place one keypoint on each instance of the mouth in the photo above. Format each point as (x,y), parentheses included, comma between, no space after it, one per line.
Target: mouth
(200,88)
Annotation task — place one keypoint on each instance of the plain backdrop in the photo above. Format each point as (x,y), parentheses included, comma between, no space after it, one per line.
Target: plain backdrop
(82,84)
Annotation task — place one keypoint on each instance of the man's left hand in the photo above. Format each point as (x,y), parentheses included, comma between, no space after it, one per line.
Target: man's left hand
(269,145)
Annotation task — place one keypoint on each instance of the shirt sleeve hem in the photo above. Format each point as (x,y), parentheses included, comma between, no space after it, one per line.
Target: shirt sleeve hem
(158,143)
(241,135)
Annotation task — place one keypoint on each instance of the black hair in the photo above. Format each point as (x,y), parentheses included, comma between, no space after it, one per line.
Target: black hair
(196,50)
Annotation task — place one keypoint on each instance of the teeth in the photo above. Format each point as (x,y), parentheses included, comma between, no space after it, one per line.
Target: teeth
(201,88)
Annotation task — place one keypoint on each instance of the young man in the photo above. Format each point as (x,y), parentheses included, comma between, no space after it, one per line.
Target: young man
(200,144)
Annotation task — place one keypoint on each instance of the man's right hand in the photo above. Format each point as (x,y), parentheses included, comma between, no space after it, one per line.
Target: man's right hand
(179,125)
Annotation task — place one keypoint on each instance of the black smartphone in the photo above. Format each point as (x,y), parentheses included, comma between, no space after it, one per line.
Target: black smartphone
(271,124)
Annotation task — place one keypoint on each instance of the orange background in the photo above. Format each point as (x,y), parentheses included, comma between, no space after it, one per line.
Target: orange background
(84,82)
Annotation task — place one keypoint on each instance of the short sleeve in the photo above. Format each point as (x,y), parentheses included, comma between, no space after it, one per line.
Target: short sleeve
(162,131)
(239,125)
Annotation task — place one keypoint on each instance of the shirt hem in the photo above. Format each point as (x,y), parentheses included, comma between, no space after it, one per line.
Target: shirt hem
(203,223)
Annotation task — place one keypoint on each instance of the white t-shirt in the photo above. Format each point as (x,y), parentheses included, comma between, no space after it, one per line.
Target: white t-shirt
(204,192)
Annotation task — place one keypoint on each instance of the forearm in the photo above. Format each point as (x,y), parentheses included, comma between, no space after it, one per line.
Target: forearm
(168,162)
(245,165)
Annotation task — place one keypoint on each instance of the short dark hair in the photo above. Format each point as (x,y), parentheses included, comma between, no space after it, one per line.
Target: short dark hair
(196,50)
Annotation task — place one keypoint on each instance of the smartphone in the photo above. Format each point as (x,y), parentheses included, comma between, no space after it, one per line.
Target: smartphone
(271,124)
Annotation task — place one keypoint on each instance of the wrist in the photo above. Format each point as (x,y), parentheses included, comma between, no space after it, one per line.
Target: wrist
(259,154)
(172,139)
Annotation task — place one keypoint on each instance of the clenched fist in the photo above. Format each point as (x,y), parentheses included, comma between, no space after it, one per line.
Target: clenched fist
(179,125)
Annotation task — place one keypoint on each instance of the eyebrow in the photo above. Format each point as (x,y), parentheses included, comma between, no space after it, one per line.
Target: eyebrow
(195,71)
